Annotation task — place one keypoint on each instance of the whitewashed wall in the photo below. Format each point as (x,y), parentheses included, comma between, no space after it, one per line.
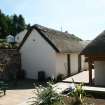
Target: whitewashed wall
(84,65)
(19,37)
(99,73)
(38,55)
(74,63)
(61,64)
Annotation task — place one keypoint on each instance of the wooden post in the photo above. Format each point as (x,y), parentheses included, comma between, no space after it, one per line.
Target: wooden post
(79,63)
(68,60)
(90,72)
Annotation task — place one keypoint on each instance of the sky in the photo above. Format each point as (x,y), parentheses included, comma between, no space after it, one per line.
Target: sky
(84,18)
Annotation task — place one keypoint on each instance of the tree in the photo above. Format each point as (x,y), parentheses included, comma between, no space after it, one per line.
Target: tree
(3,25)
(21,23)
(18,23)
(28,26)
(14,20)
(11,24)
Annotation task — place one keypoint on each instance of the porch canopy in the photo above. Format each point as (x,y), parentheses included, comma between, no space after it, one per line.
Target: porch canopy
(95,51)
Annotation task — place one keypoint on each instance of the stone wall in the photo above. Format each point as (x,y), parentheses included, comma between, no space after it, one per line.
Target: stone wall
(10,63)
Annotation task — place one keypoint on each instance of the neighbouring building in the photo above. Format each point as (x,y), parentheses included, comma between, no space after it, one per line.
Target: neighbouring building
(10,39)
(95,55)
(51,51)
(19,37)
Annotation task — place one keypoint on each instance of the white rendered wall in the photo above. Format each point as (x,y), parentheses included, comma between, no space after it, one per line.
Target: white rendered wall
(19,37)
(61,64)
(38,55)
(84,65)
(99,73)
(74,63)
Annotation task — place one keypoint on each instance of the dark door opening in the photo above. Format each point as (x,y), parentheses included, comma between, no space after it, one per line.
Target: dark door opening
(68,65)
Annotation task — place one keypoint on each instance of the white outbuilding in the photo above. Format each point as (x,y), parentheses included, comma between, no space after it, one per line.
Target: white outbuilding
(51,51)
(19,37)
(10,39)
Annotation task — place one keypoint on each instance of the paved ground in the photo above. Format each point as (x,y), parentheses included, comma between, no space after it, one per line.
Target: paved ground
(18,93)
(80,77)
(16,97)
(21,95)
(60,87)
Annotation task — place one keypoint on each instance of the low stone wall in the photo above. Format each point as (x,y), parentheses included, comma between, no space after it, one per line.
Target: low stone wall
(10,63)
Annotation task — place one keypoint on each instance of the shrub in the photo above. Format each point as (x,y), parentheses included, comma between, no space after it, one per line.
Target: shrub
(6,45)
(60,77)
(46,96)
(78,94)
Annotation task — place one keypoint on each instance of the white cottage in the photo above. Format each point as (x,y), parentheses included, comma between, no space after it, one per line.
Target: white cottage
(10,39)
(51,51)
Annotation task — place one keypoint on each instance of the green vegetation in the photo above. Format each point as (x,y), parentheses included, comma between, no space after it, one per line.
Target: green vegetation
(11,24)
(60,77)
(78,95)
(6,45)
(48,96)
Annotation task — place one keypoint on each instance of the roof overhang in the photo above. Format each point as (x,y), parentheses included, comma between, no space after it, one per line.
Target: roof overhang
(29,32)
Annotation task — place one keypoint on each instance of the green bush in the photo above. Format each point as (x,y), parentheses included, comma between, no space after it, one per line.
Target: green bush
(46,96)
(78,94)
(6,45)
(60,77)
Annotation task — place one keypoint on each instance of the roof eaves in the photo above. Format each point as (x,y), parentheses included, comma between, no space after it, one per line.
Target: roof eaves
(44,36)
(25,38)
(47,39)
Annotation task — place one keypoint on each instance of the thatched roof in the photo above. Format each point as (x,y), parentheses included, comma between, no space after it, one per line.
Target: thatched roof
(96,47)
(61,41)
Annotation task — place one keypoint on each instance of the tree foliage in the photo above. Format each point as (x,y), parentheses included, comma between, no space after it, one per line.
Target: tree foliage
(11,24)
